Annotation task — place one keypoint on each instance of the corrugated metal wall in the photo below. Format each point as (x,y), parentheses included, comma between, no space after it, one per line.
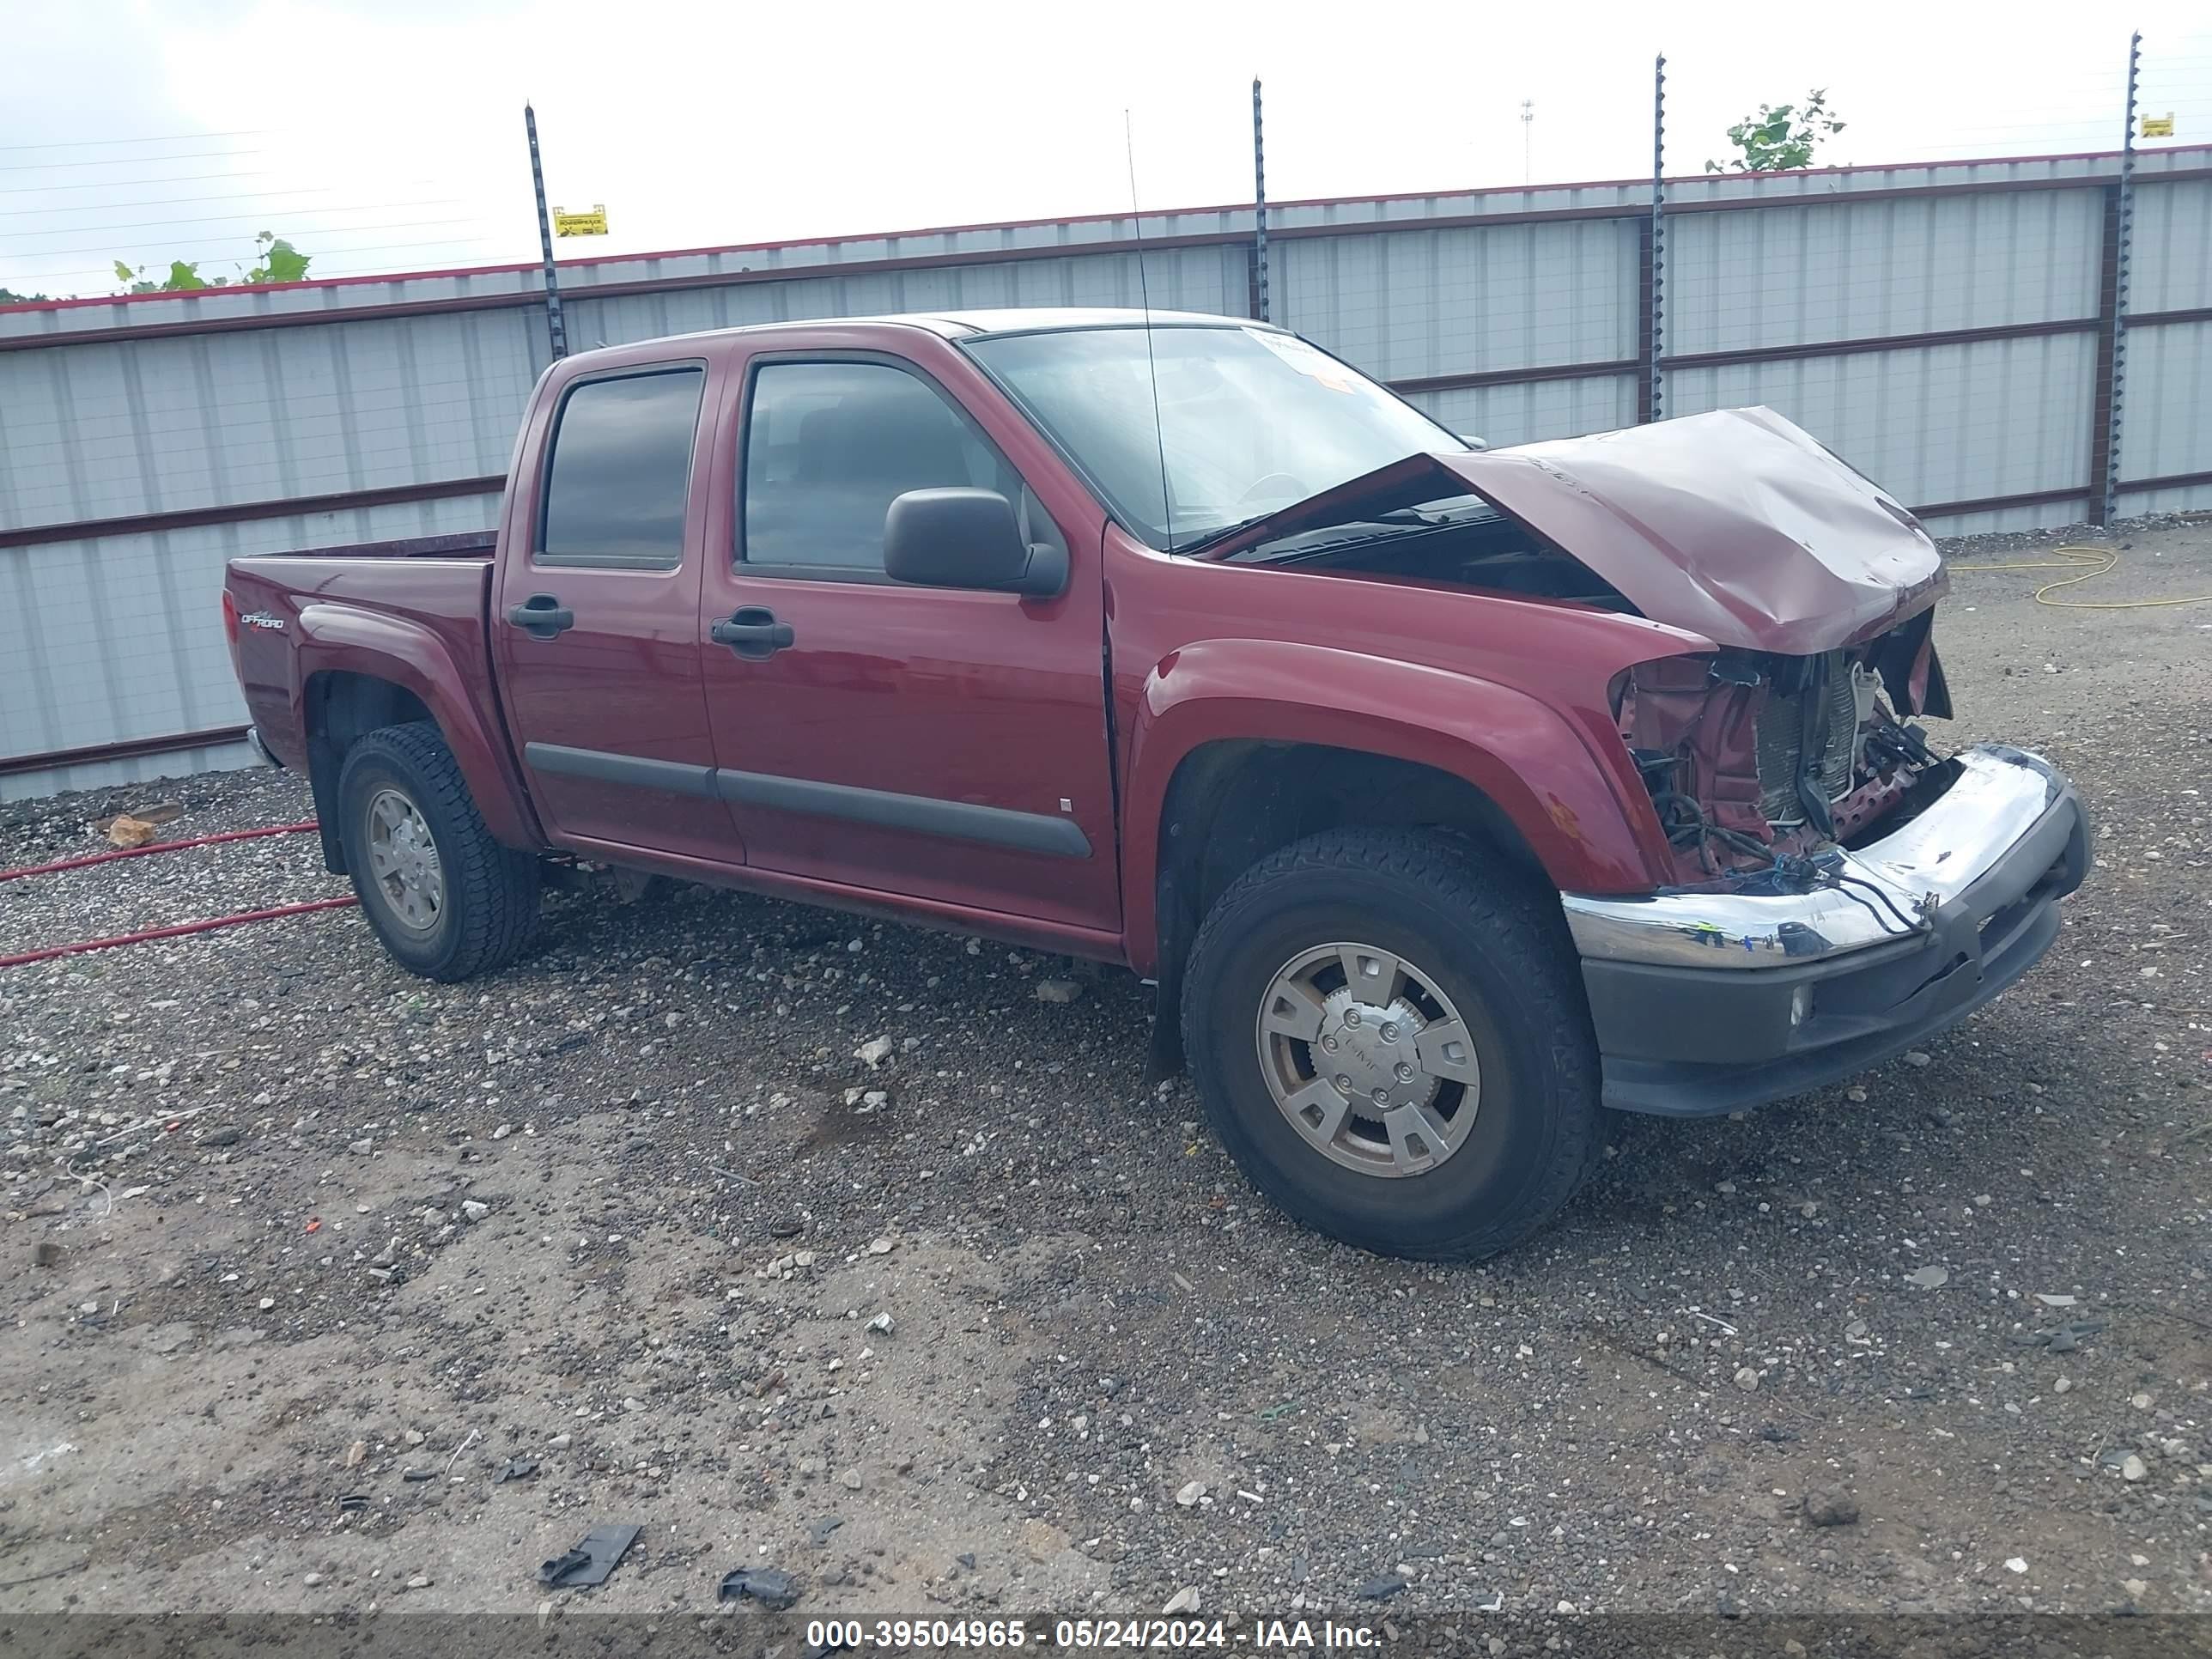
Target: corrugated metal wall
(142,443)
(2169,368)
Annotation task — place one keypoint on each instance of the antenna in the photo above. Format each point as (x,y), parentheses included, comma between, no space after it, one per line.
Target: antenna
(1145,296)
(1527,148)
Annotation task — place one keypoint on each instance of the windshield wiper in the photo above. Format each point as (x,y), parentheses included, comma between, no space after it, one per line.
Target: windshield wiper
(1223,531)
(1396,517)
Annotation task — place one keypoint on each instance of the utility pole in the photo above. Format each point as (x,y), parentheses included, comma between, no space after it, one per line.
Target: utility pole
(1259,210)
(556,330)
(1656,385)
(2122,249)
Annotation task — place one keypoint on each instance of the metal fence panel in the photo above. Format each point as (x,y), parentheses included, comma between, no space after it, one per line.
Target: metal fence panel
(2169,411)
(2172,270)
(1932,423)
(122,428)
(1521,414)
(1409,304)
(339,388)
(1856,270)
(121,636)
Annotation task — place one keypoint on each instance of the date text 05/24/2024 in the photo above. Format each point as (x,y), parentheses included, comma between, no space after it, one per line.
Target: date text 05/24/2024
(1159,1634)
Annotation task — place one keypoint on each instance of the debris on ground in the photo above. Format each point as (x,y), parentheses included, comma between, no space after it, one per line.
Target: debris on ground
(156,814)
(123,831)
(2061,1339)
(1830,1508)
(594,1557)
(772,1588)
(518,1468)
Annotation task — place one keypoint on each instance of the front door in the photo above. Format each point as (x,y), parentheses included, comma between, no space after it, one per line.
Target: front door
(941,745)
(595,623)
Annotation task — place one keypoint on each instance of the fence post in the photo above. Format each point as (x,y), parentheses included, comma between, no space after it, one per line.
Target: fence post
(1259,214)
(2111,390)
(1651,265)
(557,329)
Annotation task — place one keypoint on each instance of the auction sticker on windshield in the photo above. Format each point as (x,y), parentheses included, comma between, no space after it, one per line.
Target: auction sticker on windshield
(1307,360)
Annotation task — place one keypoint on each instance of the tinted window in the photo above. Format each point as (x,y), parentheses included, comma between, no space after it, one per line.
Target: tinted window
(829,446)
(621,470)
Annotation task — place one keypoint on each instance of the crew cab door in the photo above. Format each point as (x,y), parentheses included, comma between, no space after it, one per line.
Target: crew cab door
(930,744)
(594,618)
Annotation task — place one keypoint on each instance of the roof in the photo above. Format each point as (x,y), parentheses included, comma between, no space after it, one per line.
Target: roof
(950,325)
(1054,319)
(1010,320)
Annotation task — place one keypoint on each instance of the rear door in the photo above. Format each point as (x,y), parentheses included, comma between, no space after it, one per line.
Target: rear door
(596,616)
(931,743)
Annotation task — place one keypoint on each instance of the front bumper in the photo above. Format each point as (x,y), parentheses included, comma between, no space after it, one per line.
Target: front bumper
(1709,1002)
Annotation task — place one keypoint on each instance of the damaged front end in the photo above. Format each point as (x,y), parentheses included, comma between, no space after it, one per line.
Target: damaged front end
(1837,891)
(1757,758)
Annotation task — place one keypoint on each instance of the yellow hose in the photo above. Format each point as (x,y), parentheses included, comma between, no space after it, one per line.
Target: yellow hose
(2088,562)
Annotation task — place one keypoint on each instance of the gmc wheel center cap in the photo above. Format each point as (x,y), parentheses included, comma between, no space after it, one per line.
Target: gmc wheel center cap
(1368,1053)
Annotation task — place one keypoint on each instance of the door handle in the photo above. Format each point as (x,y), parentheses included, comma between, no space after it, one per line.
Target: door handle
(752,632)
(542,617)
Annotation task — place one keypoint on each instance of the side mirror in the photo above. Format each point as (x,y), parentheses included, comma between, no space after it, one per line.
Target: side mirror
(963,538)
(1471,441)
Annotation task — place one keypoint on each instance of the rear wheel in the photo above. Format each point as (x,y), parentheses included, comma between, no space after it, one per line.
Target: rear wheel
(447,901)
(1394,1044)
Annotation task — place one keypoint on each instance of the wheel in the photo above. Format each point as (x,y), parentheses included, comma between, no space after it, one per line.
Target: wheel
(1394,1044)
(447,901)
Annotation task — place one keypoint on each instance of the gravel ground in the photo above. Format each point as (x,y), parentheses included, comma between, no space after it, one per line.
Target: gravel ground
(987,1325)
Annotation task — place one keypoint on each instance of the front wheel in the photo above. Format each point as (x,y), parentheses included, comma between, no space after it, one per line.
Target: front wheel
(1393,1042)
(447,901)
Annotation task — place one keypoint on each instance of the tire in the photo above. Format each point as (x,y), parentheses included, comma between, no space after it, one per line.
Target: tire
(487,898)
(1482,947)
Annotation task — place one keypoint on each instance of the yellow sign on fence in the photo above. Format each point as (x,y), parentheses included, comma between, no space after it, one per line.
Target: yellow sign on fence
(2158,126)
(593,223)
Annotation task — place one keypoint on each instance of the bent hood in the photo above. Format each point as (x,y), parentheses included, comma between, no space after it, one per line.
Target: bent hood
(1736,525)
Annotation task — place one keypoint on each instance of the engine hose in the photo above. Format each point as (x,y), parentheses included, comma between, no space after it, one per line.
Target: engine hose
(89,859)
(180,930)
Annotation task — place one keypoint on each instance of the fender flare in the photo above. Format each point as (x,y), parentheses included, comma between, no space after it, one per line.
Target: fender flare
(376,644)
(1528,758)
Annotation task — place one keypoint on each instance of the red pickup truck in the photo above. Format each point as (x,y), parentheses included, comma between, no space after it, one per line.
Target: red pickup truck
(1448,795)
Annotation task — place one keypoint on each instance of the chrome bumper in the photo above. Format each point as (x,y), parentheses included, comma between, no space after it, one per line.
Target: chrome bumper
(1999,796)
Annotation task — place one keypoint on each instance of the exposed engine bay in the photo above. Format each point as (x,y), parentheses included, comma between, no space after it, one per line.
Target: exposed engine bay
(1752,757)
(1815,590)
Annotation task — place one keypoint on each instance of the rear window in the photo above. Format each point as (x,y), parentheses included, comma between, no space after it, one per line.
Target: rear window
(621,471)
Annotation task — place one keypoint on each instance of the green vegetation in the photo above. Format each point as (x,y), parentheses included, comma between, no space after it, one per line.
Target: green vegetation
(1780,137)
(275,260)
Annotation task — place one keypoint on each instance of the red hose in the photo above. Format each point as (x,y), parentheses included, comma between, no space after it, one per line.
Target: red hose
(60,864)
(178,931)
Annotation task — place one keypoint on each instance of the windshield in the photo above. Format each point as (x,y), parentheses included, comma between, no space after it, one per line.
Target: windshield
(1250,421)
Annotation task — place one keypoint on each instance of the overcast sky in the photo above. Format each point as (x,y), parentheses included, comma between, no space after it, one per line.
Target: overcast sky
(388,135)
